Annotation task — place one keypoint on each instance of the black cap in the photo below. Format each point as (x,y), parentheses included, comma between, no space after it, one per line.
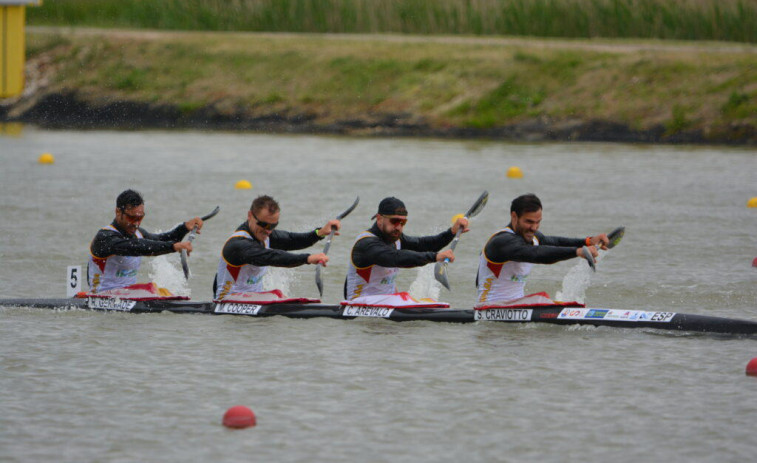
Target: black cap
(391,206)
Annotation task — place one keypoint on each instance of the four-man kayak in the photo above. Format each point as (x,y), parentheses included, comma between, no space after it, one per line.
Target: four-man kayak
(671,321)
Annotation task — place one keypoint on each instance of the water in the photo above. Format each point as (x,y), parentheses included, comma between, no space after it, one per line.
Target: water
(83,386)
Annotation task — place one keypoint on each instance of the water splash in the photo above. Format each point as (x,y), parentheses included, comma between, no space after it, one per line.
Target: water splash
(577,281)
(278,278)
(425,285)
(166,272)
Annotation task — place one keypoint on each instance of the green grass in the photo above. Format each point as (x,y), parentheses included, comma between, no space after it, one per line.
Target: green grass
(726,20)
(442,84)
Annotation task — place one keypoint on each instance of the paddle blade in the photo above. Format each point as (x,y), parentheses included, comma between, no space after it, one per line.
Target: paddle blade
(615,236)
(318,281)
(589,258)
(184,264)
(440,273)
(350,209)
(212,214)
(478,205)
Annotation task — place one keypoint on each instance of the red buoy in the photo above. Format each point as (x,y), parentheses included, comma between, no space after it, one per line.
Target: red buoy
(751,367)
(754,262)
(239,417)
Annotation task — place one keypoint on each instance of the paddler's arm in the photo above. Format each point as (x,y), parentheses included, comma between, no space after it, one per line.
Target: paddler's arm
(372,251)
(108,243)
(240,251)
(507,246)
(290,241)
(177,234)
(427,243)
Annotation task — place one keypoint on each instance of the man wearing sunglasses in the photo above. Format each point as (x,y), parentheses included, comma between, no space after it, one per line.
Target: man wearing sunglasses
(382,250)
(116,249)
(257,245)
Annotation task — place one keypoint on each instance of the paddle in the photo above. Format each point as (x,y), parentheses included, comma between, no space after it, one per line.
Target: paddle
(318,281)
(614,236)
(184,264)
(440,269)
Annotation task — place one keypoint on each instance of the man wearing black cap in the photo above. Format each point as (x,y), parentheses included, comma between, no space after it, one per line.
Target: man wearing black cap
(382,250)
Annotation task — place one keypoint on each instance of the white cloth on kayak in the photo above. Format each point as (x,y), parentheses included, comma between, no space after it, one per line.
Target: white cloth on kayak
(532,300)
(502,281)
(371,280)
(136,292)
(266,297)
(396,300)
(246,278)
(106,273)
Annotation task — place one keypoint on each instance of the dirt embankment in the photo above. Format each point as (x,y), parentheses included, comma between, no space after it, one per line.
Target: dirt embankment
(513,89)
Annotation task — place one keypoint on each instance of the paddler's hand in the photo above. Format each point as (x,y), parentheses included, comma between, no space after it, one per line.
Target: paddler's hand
(592,250)
(447,254)
(192,223)
(319,258)
(600,239)
(461,222)
(179,245)
(330,225)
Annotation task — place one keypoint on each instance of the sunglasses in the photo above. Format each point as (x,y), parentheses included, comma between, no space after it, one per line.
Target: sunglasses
(264,225)
(396,221)
(132,218)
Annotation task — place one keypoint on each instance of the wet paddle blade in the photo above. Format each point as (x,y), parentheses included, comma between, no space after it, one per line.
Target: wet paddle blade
(589,258)
(184,264)
(318,281)
(440,273)
(615,236)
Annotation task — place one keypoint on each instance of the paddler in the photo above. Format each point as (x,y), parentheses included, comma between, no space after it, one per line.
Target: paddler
(380,251)
(257,244)
(509,254)
(116,250)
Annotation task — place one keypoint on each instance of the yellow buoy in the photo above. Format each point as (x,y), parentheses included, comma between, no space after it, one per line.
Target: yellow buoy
(752,202)
(514,172)
(458,216)
(46,158)
(243,185)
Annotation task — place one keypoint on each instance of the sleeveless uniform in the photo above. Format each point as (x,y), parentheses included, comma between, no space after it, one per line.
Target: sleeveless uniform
(371,280)
(114,271)
(502,281)
(239,278)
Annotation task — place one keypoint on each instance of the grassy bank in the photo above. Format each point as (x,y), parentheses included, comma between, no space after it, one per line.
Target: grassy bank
(726,20)
(441,82)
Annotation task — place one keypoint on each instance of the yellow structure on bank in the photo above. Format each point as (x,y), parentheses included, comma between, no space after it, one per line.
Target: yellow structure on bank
(12,46)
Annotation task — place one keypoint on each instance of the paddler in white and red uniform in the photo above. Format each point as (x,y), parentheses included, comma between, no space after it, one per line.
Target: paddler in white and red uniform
(379,252)
(117,249)
(510,253)
(257,245)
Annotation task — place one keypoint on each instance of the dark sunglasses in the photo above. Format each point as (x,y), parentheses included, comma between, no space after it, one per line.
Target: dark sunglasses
(132,218)
(397,221)
(264,225)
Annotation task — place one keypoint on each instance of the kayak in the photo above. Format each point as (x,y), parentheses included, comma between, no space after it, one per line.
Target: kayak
(671,321)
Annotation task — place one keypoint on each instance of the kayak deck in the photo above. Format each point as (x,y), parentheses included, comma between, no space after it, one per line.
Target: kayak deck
(670,321)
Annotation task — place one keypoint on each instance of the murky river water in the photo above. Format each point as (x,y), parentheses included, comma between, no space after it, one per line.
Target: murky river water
(80,386)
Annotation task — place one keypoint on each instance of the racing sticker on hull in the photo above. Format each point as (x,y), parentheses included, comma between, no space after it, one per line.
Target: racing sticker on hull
(107,303)
(359,311)
(615,315)
(503,315)
(238,309)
